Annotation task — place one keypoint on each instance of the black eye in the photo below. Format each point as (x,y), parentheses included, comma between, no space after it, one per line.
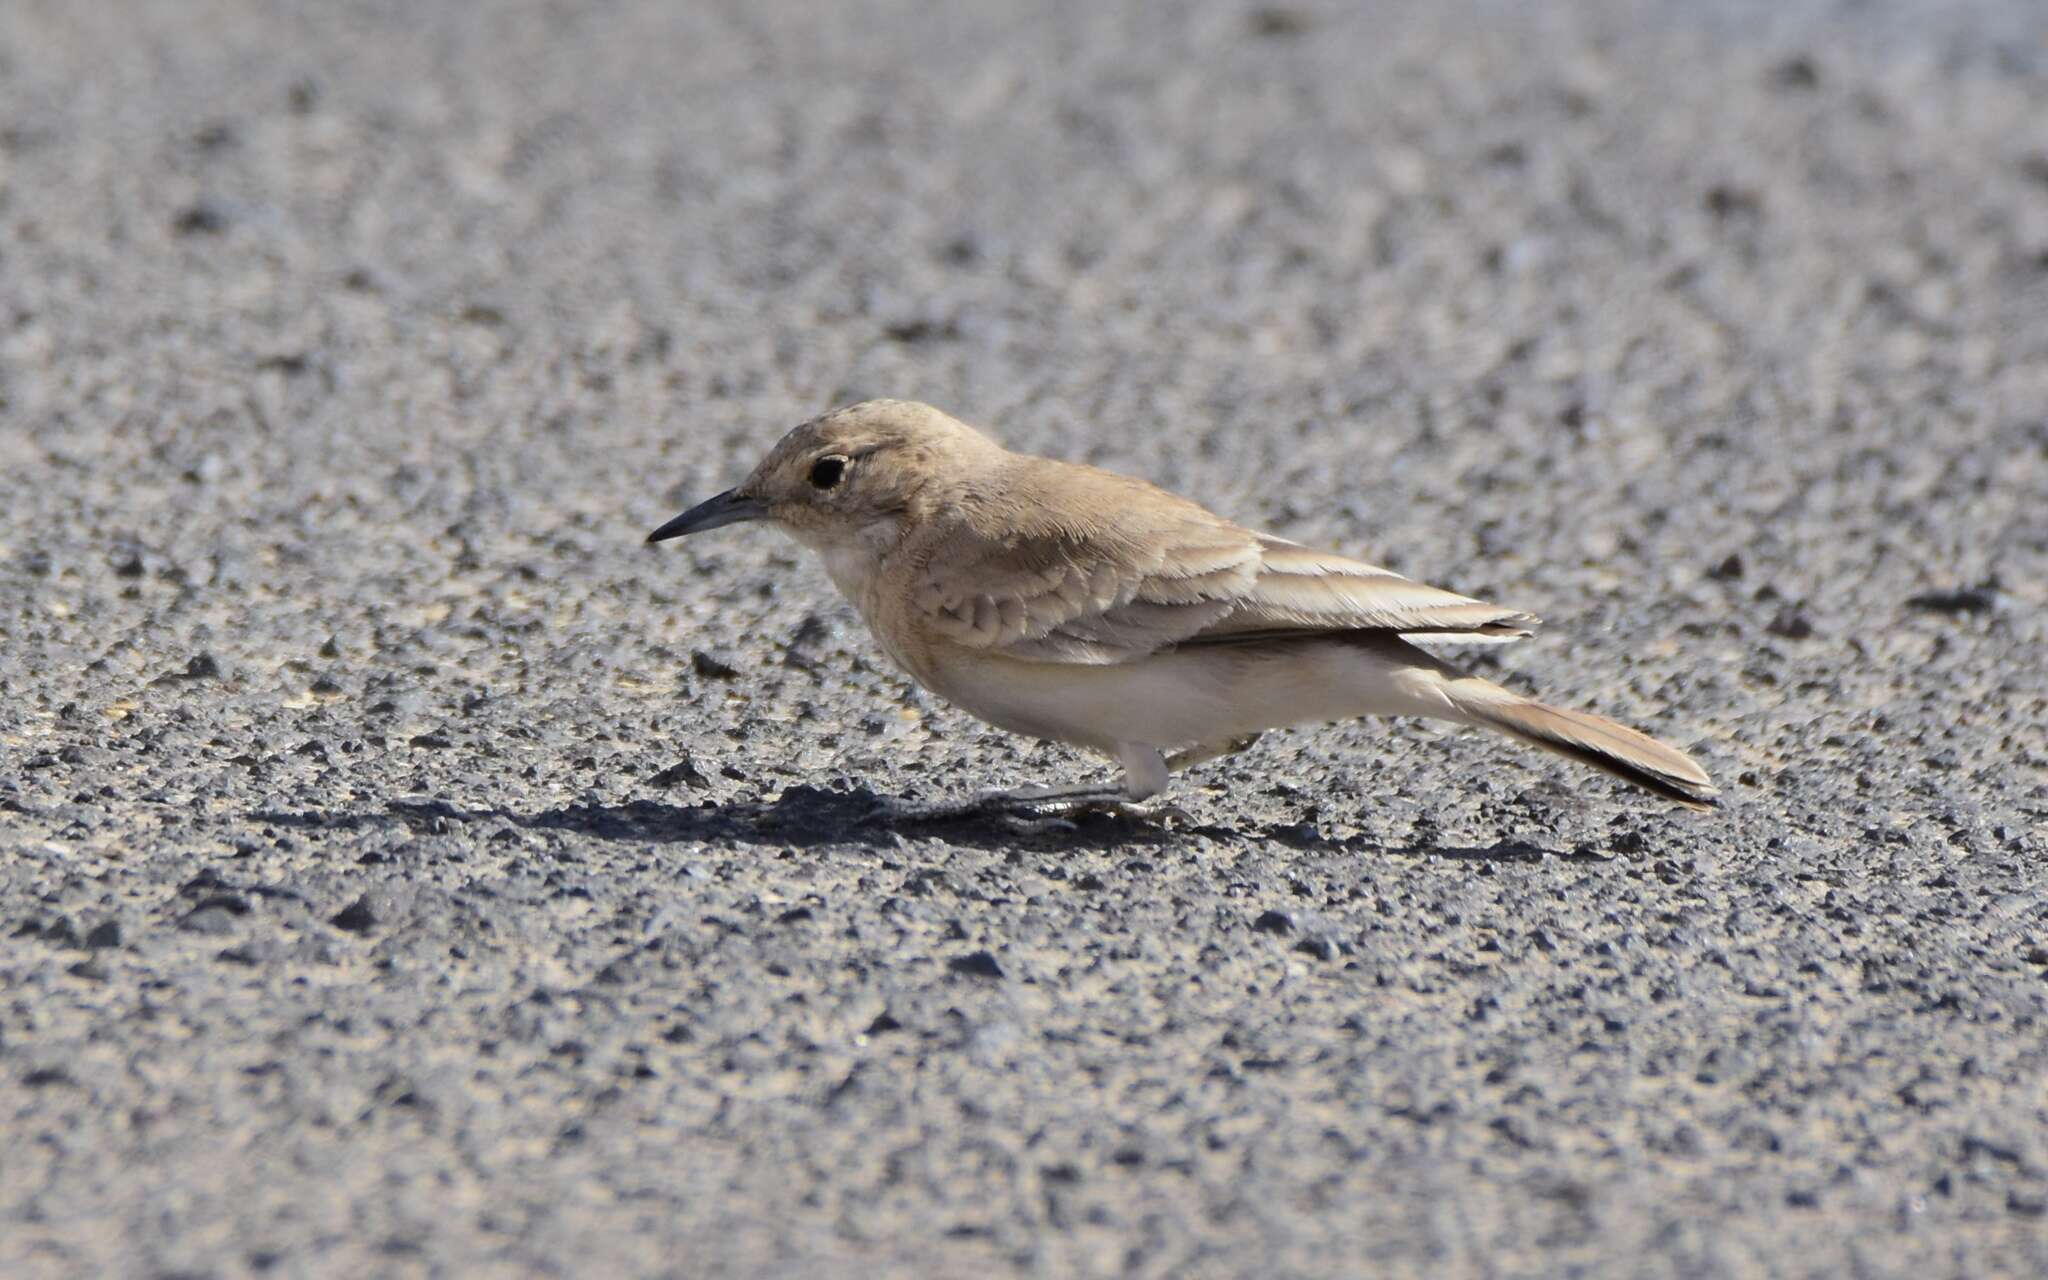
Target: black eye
(825,472)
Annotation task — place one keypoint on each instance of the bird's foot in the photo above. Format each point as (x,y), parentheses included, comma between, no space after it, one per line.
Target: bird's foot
(1026,810)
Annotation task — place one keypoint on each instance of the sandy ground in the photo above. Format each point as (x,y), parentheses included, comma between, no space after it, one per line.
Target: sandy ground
(403,871)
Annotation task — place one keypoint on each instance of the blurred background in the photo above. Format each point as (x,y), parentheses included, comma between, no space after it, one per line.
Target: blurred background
(347,350)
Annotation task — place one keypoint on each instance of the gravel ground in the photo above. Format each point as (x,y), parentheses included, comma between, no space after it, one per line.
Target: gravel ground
(404,871)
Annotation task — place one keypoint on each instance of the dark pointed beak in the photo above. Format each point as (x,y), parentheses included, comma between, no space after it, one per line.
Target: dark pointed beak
(712,513)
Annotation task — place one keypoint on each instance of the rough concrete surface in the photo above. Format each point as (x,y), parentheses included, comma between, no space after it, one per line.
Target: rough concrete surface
(404,871)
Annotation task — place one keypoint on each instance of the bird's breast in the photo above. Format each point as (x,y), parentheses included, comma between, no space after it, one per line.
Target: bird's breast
(862,577)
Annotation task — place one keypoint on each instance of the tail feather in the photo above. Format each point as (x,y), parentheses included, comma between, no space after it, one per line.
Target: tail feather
(1429,686)
(1610,747)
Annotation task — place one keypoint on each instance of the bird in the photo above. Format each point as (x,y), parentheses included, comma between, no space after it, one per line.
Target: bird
(1075,604)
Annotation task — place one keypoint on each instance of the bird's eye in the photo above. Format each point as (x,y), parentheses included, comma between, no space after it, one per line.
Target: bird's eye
(826,471)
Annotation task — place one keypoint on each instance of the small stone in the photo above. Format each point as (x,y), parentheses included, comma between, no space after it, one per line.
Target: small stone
(920,329)
(1982,598)
(202,667)
(359,916)
(709,667)
(1796,72)
(212,920)
(206,880)
(683,772)
(1728,570)
(201,219)
(1791,623)
(1725,200)
(1278,21)
(1276,922)
(978,964)
(215,914)
(1323,947)
(107,933)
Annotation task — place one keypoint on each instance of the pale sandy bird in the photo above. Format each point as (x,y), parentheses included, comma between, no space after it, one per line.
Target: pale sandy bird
(1071,603)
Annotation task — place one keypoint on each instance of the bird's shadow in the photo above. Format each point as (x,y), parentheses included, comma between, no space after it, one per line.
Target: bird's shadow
(1509,849)
(808,817)
(801,817)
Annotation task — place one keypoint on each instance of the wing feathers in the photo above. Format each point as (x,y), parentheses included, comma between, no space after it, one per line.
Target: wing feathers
(1317,591)
(1159,573)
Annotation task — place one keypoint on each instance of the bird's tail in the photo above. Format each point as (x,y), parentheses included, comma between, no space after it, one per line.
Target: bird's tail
(1604,744)
(1578,735)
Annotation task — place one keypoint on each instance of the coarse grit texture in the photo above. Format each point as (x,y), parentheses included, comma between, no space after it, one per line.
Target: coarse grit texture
(404,871)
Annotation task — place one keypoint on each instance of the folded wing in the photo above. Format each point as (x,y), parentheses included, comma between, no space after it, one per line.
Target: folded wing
(1151,572)
(1302,590)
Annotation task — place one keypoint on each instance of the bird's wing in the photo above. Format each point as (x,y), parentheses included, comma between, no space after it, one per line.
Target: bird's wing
(1303,590)
(1156,572)
(1102,591)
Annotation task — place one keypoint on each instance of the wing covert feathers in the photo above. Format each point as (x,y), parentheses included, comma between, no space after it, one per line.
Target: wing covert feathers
(1116,570)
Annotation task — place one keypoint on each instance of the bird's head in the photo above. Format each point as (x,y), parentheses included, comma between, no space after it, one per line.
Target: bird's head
(855,474)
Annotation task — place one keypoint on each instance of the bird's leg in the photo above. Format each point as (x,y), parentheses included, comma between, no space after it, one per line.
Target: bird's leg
(1204,752)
